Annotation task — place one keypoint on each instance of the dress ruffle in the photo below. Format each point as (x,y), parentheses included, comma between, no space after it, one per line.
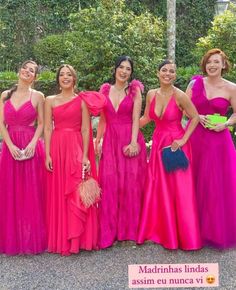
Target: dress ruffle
(133,86)
(95,101)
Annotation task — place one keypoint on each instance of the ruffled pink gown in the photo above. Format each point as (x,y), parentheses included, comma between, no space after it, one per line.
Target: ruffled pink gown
(214,164)
(22,214)
(121,177)
(71,226)
(169,212)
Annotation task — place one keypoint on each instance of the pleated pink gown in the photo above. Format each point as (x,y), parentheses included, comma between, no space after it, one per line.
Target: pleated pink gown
(169,212)
(71,226)
(22,200)
(121,177)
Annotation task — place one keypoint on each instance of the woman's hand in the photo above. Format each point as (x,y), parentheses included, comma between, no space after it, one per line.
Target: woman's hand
(15,151)
(97,147)
(86,164)
(204,121)
(132,149)
(30,150)
(48,163)
(176,144)
(218,127)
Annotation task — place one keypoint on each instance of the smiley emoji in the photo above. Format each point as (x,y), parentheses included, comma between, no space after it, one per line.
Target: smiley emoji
(210,279)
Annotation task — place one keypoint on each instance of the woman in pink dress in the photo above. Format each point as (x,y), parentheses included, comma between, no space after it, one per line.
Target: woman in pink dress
(71,226)
(169,212)
(123,160)
(214,155)
(22,224)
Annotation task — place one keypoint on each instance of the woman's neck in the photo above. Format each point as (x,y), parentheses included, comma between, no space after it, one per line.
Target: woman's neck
(120,85)
(214,80)
(23,87)
(166,89)
(67,93)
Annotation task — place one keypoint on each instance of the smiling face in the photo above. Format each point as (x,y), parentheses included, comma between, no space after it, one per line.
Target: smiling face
(123,71)
(167,74)
(66,78)
(214,65)
(27,72)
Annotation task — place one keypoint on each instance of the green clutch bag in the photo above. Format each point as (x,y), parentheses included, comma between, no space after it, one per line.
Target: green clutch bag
(216,119)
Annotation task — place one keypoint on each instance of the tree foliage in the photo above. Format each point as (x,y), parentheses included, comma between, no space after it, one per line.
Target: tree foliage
(193,21)
(222,35)
(22,23)
(101,34)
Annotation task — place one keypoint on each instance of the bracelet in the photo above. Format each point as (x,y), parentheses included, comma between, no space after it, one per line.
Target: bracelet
(134,145)
(227,124)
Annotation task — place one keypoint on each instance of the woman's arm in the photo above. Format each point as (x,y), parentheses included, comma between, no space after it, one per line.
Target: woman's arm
(14,150)
(100,132)
(187,106)
(144,120)
(202,118)
(30,148)
(48,126)
(232,120)
(85,131)
(133,148)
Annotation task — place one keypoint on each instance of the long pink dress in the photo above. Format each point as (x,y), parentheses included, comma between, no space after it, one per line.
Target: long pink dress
(169,213)
(22,222)
(214,164)
(121,177)
(71,226)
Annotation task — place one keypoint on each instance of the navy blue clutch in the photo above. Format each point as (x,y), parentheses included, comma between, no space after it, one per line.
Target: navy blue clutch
(174,160)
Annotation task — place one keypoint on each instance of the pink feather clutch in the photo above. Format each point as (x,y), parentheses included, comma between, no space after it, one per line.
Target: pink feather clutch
(89,190)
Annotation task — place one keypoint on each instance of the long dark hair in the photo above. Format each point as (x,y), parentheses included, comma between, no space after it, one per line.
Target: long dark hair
(119,60)
(14,87)
(73,72)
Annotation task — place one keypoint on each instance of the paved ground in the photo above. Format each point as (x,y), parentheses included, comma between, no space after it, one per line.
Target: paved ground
(104,270)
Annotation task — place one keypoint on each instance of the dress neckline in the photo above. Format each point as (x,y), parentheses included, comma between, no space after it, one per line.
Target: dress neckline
(116,110)
(210,99)
(75,98)
(21,106)
(164,109)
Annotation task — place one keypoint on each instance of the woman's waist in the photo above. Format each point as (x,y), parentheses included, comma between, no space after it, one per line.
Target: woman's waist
(68,129)
(21,128)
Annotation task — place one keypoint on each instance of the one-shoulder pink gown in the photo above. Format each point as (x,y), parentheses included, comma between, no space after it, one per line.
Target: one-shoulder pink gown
(169,210)
(71,226)
(121,177)
(214,165)
(22,211)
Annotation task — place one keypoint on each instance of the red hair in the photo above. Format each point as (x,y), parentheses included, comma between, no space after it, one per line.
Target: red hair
(210,52)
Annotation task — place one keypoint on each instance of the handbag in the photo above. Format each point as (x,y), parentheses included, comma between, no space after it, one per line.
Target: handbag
(217,119)
(89,189)
(23,156)
(174,160)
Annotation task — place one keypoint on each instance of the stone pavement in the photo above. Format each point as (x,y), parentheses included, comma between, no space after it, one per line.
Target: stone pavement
(106,269)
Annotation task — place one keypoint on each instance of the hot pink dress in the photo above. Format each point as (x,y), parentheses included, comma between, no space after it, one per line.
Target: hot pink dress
(22,223)
(169,212)
(121,177)
(71,226)
(214,164)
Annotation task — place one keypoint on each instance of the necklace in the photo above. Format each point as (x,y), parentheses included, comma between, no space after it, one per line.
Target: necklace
(61,96)
(121,88)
